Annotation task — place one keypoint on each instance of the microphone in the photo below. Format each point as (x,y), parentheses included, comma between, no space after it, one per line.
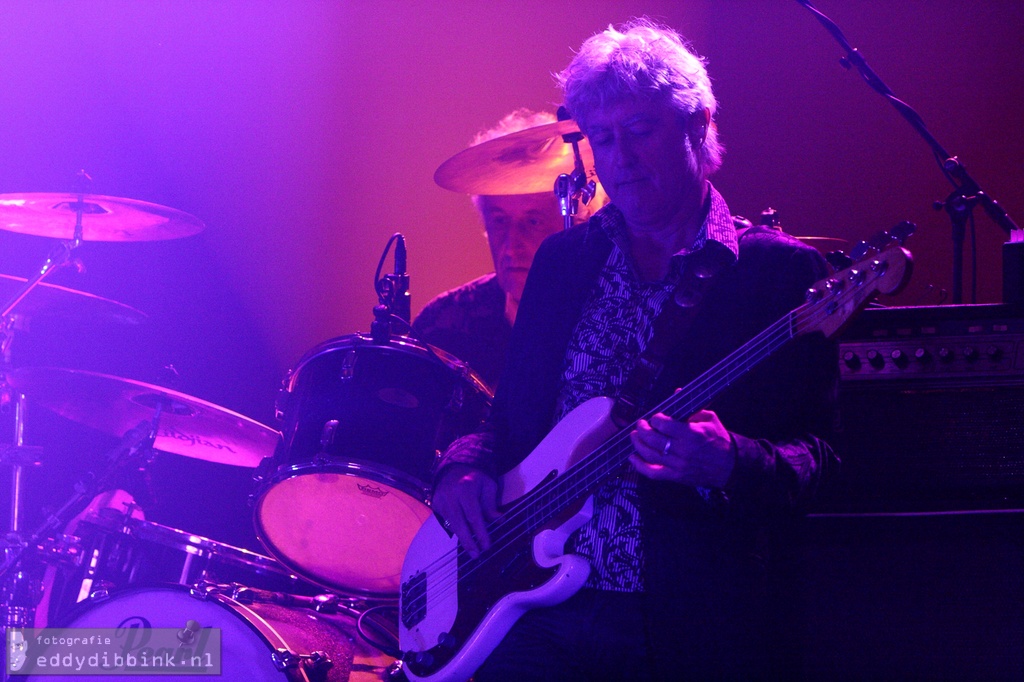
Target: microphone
(402,305)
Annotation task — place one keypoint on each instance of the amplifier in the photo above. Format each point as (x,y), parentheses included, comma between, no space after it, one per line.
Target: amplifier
(932,410)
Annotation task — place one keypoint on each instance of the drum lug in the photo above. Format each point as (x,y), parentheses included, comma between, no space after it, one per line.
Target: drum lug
(458,399)
(201,590)
(316,663)
(263,469)
(326,440)
(348,366)
(101,592)
(283,394)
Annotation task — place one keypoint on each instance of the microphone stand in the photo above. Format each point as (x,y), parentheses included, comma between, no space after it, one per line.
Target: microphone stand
(569,188)
(966,194)
(394,302)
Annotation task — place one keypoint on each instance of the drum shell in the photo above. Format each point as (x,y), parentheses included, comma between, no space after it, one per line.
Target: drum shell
(114,553)
(362,425)
(395,406)
(250,633)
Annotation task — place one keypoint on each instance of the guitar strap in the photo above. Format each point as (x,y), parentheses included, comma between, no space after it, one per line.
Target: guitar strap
(669,327)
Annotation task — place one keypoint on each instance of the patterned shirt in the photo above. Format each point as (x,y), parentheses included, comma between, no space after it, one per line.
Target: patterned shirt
(469,322)
(614,329)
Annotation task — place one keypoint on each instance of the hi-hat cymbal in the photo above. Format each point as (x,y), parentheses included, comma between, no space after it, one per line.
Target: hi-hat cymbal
(524,162)
(50,300)
(188,426)
(104,219)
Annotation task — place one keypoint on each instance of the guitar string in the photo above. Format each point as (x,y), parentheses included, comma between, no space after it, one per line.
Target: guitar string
(607,458)
(610,456)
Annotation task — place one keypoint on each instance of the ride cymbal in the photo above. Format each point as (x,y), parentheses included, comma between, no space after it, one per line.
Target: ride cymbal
(104,219)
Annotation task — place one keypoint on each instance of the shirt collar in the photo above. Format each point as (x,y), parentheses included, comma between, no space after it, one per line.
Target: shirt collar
(718,228)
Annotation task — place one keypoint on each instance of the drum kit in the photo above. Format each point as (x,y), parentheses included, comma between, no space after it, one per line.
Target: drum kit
(97,562)
(340,488)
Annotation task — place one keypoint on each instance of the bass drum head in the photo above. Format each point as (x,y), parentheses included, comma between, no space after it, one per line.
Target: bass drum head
(340,529)
(250,634)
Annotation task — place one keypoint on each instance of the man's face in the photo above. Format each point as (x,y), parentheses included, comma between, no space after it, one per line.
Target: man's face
(516,224)
(644,159)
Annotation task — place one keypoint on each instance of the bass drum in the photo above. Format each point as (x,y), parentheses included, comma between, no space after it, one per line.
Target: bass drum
(347,490)
(252,636)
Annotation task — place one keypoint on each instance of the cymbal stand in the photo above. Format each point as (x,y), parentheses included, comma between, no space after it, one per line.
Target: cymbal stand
(19,590)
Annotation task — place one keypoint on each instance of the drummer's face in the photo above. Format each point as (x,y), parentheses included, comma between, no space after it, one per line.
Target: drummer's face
(516,224)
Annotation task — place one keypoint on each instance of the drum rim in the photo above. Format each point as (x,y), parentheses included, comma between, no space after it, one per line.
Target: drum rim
(401,481)
(396,344)
(181,540)
(223,600)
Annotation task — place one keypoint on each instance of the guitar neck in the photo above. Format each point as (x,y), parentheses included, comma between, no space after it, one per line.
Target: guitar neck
(606,462)
(831,303)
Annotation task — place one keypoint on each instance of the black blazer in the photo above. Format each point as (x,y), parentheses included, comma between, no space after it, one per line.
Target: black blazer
(706,557)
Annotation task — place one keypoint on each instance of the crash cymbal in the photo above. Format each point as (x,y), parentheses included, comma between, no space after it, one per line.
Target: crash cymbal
(50,300)
(188,426)
(524,162)
(104,219)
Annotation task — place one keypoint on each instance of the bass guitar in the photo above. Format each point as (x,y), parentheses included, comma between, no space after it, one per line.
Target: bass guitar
(455,609)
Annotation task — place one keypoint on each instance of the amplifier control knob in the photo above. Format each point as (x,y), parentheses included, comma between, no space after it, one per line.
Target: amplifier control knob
(899,357)
(945,354)
(922,355)
(876,359)
(971,353)
(993,352)
(851,360)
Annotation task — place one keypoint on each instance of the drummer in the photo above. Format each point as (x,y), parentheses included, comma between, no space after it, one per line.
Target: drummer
(473,321)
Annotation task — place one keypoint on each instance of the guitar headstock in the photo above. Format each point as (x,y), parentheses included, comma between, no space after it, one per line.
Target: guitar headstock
(832,302)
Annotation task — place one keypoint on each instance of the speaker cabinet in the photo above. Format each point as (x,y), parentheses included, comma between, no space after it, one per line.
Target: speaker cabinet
(932,409)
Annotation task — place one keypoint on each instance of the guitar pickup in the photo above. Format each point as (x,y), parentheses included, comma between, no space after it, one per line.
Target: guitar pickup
(414,600)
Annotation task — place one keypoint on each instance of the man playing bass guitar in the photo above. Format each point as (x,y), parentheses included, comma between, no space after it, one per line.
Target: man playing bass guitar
(676,542)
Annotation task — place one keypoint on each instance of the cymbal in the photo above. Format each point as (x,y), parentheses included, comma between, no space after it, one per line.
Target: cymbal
(50,300)
(104,219)
(524,162)
(188,426)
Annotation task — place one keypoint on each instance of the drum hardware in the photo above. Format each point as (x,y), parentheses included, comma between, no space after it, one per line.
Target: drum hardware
(326,603)
(570,188)
(393,298)
(188,634)
(21,587)
(71,218)
(110,555)
(317,662)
